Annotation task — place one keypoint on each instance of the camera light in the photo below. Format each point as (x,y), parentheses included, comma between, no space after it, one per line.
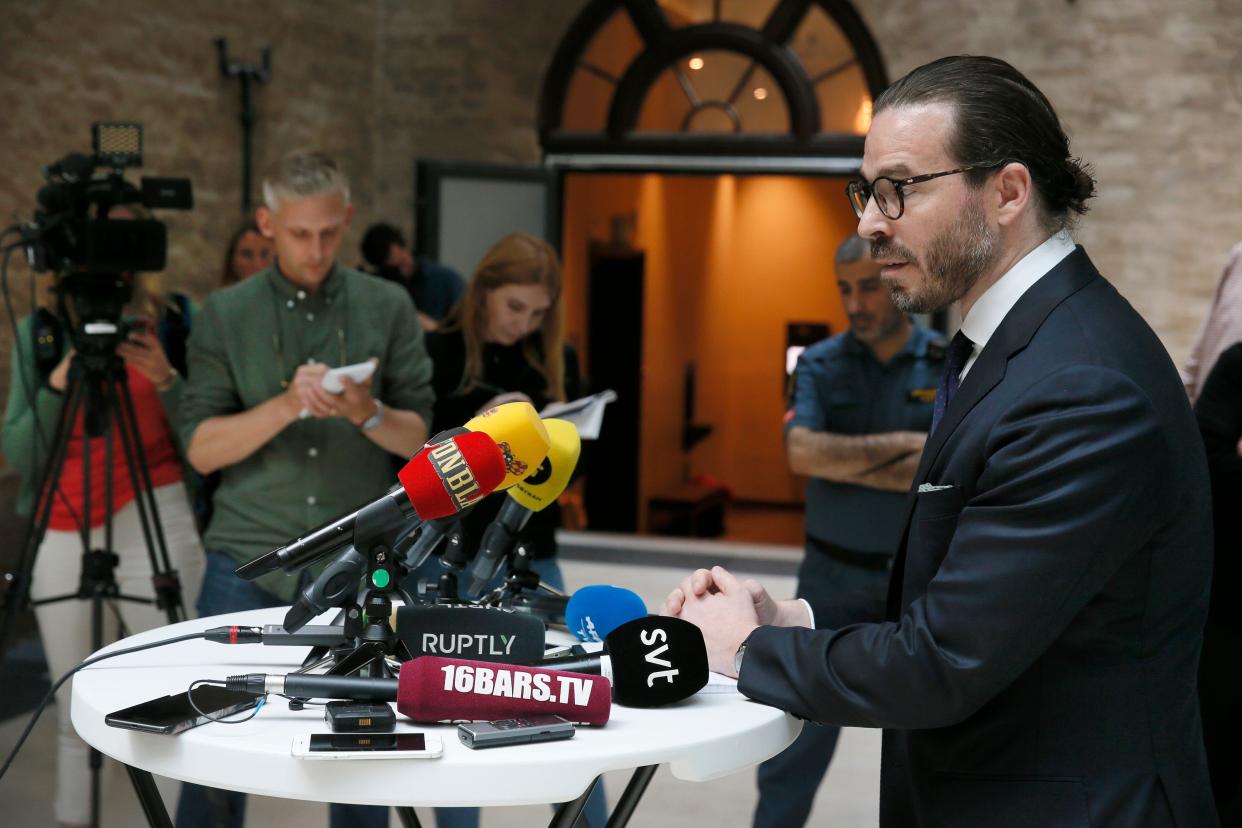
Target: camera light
(117,144)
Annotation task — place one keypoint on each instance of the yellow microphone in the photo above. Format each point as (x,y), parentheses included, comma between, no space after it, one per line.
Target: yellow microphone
(521,435)
(535,492)
(552,477)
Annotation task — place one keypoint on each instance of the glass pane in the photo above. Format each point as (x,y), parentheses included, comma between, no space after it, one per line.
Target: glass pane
(727,92)
(587,102)
(819,44)
(594,82)
(762,104)
(752,13)
(614,46)
(844,103)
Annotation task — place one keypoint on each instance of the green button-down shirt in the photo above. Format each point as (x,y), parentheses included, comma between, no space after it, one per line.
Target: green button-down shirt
(248,340)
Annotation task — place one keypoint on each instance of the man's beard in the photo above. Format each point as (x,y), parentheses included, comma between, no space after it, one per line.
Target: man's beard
(955,261)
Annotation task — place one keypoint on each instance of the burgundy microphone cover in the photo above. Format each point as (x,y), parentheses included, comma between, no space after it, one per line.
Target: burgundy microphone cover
(445,478)
(438,689)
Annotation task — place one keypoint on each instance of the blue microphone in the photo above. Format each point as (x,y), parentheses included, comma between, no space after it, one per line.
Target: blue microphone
(595,611)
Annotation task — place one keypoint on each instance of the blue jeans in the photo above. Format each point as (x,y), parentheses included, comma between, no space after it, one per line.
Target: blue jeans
(202,807)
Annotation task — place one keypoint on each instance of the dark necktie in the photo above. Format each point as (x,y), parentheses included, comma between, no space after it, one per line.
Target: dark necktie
(954,361)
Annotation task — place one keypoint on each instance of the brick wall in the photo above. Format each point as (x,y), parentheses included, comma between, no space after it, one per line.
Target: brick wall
(1151,94)
(375,83)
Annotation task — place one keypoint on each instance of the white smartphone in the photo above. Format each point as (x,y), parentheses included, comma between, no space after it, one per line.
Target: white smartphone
(367,746)
(358,372)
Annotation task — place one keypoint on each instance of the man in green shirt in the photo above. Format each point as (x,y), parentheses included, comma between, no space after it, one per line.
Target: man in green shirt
(291,454)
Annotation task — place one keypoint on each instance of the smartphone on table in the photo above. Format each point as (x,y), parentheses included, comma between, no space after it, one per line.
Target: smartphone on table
(173,714)
(367,746)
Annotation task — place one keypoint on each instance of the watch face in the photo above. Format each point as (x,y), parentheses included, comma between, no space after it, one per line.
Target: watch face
(737,658)
(376,418)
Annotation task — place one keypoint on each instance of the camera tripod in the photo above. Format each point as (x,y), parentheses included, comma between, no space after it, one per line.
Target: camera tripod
(98,391)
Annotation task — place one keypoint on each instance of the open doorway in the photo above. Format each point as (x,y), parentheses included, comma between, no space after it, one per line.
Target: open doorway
(727,263)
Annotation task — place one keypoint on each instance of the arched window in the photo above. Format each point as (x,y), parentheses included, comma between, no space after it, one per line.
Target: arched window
(776,79)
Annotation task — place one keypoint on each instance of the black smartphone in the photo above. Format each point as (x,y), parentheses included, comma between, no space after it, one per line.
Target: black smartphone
(367,746)
(476,735)
(173,714)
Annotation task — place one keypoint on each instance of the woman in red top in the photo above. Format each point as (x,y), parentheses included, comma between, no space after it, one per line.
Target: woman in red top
(40,369)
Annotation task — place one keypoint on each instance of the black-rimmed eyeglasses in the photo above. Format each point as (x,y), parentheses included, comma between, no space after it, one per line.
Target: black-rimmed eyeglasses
(889,192)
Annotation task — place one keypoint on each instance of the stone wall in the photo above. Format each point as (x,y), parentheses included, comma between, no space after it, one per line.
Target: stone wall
(1151,93)
(375,83)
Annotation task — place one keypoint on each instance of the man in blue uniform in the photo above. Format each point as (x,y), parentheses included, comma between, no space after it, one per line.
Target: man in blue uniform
(861,408)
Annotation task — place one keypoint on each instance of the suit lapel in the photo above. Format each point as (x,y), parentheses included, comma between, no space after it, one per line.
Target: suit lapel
(1014,333)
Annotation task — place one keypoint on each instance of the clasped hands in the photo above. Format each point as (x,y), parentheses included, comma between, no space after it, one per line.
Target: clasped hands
(306,393)
(727,610)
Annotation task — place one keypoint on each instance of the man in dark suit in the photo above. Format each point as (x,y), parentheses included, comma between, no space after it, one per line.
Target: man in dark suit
(1048,598)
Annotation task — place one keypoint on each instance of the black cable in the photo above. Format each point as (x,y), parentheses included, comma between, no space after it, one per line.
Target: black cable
(21,740)
(189,695)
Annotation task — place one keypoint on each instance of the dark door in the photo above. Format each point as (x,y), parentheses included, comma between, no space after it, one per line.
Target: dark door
(615,344)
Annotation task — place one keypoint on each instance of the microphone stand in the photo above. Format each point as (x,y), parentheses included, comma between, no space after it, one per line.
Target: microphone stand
(372,567)
(523,591)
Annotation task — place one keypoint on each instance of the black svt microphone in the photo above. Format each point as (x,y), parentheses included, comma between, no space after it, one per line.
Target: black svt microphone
(650,661)
(471,632)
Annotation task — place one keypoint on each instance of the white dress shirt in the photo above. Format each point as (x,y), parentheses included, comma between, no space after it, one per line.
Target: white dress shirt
(994,305)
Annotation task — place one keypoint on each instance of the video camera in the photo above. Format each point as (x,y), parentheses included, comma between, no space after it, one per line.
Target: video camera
(95,256)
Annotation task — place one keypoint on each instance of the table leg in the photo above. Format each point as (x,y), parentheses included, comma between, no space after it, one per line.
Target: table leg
(149,798)
(629,799)
(408,818)
(567,812)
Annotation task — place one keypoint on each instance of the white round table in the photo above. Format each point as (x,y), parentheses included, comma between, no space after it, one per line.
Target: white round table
(701,738)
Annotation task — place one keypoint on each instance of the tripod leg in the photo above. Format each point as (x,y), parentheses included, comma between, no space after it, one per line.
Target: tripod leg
(167,588)
(18,594)
(97,636)
(85,521)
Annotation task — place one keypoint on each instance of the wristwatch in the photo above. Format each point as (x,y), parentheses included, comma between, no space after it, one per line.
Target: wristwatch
(375,419)
(737,658)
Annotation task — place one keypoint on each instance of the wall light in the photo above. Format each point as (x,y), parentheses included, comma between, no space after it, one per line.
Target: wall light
(760,93)
(696,63)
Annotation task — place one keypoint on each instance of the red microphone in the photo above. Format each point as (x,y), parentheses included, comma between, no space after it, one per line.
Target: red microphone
(438,689)
(446,477)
